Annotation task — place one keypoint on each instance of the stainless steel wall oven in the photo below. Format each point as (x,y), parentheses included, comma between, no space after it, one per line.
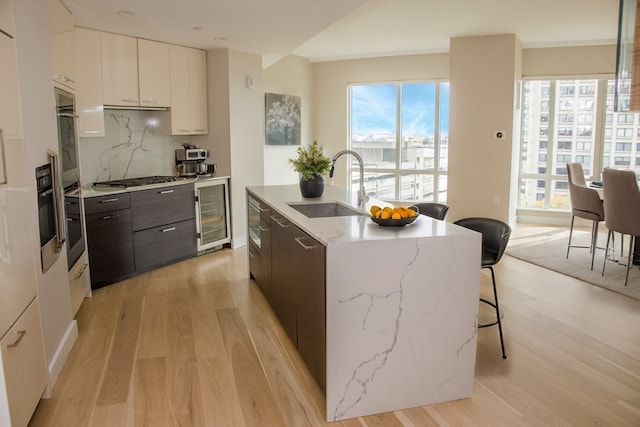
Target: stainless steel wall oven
(69,174)
(52,230)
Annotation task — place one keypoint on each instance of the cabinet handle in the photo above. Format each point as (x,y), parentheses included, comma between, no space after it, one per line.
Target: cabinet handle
(129,100)
(264,230)
(82,270)
(109,200)
(299,240)
(166,191)
(21,335)
(183,130)
(263,209)
(167,229)
(198,130)
(91,132)
(110,216)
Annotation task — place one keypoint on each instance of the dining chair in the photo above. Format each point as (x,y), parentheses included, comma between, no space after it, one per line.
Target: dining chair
(621,208)
(585,203)
(433,210)
(495,236)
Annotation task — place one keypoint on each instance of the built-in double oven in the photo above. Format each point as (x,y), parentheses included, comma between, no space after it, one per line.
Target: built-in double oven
(69,175)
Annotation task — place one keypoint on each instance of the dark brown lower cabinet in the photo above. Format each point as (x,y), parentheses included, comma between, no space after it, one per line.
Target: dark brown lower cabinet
(309,266)
(156,246)
(296,290)
(110,246)
(283,298)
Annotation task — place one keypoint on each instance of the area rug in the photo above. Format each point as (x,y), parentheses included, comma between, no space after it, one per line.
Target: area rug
(549,250)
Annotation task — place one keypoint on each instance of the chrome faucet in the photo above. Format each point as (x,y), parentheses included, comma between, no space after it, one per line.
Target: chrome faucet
(362,196)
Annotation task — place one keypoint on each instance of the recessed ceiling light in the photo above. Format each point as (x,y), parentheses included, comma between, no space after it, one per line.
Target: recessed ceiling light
(125,13)
(220,39)
(197,28)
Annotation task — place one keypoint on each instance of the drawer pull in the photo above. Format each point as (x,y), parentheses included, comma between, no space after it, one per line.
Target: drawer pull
(166,191)
(264,230)
(129,100)
(106,217)
(21,335)
(109,200)
(81,272)
(168,229)
(91,132)
(299,240)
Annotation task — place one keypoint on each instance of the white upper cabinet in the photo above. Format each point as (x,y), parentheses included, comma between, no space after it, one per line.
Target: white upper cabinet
(89,83)
(154,74)
(188,91)
(62,47)
(119,70)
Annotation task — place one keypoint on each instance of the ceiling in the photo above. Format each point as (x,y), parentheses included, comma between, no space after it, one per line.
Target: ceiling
(324,30)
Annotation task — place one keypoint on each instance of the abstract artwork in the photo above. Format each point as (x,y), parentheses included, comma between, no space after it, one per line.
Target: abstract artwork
(282,119)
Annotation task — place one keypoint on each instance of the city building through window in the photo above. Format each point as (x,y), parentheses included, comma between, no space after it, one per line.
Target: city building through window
(401,131)
(566,121)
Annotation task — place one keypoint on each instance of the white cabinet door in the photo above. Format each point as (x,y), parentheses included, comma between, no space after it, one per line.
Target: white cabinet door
(154,73)
(24,375)
(188,91)
(198,91)
(79,282)
(10,119)
(119,69)
(89,83)
(17,276)
(62,49)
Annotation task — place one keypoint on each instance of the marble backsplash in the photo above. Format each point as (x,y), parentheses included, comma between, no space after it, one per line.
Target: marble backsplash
(136,143)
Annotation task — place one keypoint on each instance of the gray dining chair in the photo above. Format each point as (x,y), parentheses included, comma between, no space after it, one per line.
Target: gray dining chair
(433,210)
(585,203)
(621,208)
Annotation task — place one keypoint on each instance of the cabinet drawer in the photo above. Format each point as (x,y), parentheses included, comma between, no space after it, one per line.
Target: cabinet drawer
(93,205)
(23,363)
(164,244)
(166,205)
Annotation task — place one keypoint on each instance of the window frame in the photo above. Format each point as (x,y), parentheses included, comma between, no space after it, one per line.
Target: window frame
(438,172)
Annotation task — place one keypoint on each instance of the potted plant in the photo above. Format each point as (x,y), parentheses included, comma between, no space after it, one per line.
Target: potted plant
(311,163)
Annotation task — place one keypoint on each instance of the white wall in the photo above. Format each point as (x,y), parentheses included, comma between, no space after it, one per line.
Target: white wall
(330,81)
(331,95)
(292,75)
(482,87)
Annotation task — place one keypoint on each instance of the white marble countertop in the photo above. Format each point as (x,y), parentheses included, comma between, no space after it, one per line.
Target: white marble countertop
(332,230)
(91,191)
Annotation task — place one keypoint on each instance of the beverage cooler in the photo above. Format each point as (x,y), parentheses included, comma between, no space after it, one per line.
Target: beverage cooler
(212,214)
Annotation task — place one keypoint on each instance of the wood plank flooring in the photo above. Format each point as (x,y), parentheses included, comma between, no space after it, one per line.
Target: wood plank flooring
(196,344)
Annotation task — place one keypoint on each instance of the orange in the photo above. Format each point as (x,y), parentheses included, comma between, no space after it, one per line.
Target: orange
(385,215)
(396,215)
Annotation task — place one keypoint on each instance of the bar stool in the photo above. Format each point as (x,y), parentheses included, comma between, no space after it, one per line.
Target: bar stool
(433,210)
(495,236)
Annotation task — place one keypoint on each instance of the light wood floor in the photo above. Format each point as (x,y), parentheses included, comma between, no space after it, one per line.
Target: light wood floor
(195,344)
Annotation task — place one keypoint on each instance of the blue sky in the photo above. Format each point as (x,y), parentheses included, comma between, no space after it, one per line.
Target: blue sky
(374,108)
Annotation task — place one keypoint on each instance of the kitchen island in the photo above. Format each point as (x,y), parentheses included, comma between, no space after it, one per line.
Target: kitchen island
(400,303)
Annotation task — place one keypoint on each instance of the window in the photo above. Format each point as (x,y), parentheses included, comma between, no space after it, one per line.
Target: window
(602,138)
(401,131)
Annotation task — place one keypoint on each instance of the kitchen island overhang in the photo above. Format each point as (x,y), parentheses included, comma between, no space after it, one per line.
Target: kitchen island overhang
(401,307)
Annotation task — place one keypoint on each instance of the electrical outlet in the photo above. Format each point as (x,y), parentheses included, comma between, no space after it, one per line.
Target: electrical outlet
(496,201)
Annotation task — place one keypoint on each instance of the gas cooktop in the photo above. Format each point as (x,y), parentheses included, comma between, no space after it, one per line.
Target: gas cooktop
(137,182)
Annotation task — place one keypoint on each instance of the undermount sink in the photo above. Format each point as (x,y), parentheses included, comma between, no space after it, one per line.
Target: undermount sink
(325,209)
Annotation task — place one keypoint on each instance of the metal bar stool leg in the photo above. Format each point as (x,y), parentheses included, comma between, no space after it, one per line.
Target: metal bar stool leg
(495,305)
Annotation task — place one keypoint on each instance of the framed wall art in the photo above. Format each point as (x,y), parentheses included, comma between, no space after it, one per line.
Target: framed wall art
(282,119)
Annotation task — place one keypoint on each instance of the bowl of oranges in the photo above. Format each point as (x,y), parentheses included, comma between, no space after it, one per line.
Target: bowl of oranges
(393,217)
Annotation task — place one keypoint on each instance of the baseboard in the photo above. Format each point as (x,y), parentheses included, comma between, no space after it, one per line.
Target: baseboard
(62,353)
